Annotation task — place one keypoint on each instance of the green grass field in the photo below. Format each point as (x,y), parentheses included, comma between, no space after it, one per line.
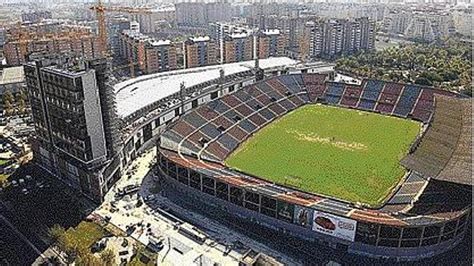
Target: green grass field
(342,153)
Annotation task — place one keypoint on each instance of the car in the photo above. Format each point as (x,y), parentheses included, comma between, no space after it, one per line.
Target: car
(124,243)
(25,191)
(28,177)
(14,183)
(149,197)
(21,181)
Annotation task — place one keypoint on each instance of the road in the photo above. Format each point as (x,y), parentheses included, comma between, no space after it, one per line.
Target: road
(17,248)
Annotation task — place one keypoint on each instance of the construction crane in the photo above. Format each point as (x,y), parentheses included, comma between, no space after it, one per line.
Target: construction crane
(100,10)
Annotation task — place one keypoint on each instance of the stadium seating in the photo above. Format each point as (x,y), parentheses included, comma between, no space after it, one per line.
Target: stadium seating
(440,140)
(315,86)
(218,106)
(299,79)
(277,86)
(351,96)
(334,92)
(228,142)
(183,129)
(269,115)
(389,98)
(257,120)
(216,128)
(370,94)
(407,100)
(289,82)
(194,119)
(231,100)
(424,106)
(237,133)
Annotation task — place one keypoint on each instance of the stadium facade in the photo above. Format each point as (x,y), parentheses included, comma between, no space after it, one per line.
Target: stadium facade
(197,117)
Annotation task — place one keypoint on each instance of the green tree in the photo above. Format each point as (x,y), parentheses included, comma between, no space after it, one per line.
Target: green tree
(8,101)
(423,81)
(8,96)
(87,259)
(56,232)
(21,106)
(108,257)
(8,107)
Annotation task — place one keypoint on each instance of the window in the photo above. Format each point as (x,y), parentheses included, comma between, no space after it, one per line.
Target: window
(252,197)
(388,242)
(433,230)
(430,241)
(367,233)
(195,180)
(208,185)
(236,196)
(222,190)
(447,236)
(449,227)
(390,232)
(410,243)
(414,232)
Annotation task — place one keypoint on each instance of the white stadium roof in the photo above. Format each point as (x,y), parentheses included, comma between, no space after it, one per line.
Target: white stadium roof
(134,94)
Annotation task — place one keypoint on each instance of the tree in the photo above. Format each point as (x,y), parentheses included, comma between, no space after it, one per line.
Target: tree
(69,246)
(423,81)
(21,106)
(108,257)
(8,96)
(56,232)
(8,102)
(87,259)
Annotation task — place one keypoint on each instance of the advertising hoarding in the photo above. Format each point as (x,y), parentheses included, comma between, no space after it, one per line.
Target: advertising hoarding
(333,225)
(285,211)
(303,216)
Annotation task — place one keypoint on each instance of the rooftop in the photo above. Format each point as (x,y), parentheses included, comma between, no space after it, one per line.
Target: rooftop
(12,75)
(200,39)
(137,93)
(271,32)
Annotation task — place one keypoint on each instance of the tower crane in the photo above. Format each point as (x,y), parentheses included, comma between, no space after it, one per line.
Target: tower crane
(100,10)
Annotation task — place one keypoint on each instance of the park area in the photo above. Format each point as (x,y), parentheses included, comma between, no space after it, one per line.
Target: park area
(342,153)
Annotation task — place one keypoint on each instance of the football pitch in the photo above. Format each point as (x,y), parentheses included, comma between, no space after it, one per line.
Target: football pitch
(342,153)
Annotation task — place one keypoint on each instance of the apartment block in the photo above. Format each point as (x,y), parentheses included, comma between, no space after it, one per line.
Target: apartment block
(335,37)
(238,47)
(271,43)
(199,51)
(160,56)
(51,37)
(148,54)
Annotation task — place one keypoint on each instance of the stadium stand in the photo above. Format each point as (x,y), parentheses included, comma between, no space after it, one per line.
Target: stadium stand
(407,100)
(334,93)
(422,216)
(315,85)
(389,98)
(444,143)
(351,96)
(424,106)
(370,94)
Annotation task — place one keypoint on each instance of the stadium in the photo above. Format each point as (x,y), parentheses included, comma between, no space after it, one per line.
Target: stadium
(379,168)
